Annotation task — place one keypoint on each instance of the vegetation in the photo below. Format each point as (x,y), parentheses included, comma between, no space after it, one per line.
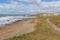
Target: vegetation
(42,32)
(55,20)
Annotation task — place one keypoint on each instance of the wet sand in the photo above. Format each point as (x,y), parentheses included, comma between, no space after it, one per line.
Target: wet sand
(16,29)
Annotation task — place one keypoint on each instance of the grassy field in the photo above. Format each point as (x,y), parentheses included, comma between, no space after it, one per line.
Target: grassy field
(55,20)
(42,32)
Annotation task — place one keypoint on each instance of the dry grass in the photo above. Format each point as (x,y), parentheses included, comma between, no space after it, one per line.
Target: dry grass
(55,20)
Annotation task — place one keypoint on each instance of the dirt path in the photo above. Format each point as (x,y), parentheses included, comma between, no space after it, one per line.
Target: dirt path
(17,29)
(53,26)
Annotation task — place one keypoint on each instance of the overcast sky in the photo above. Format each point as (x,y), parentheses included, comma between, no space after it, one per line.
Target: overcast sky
(28,6)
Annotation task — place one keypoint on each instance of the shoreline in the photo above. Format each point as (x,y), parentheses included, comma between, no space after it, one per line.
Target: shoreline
(16,29)
(13,25)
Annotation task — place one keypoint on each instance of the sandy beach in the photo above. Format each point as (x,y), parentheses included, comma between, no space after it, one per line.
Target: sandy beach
(17,28)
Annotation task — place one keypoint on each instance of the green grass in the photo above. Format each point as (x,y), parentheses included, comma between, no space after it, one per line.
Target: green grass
(42,32)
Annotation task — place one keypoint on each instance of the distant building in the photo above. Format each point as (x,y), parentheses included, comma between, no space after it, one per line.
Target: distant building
(50,14)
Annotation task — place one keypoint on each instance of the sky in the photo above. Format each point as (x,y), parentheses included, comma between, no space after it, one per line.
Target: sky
(28,6)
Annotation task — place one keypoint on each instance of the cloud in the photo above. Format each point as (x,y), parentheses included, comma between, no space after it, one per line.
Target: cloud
(17,6)
(53,6)
(12,6)
(31,1)
(1,6)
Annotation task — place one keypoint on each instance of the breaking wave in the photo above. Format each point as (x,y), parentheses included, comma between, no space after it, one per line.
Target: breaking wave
(12,19)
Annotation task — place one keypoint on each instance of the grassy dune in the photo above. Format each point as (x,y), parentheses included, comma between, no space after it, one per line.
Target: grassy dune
(42,32)
(55,20)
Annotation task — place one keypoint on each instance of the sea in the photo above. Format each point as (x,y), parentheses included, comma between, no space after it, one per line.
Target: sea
(7,19)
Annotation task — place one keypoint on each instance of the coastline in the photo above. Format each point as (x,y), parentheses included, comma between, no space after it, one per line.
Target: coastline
(16,29)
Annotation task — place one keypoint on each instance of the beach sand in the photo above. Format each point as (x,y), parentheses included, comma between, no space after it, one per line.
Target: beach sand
(17,28)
